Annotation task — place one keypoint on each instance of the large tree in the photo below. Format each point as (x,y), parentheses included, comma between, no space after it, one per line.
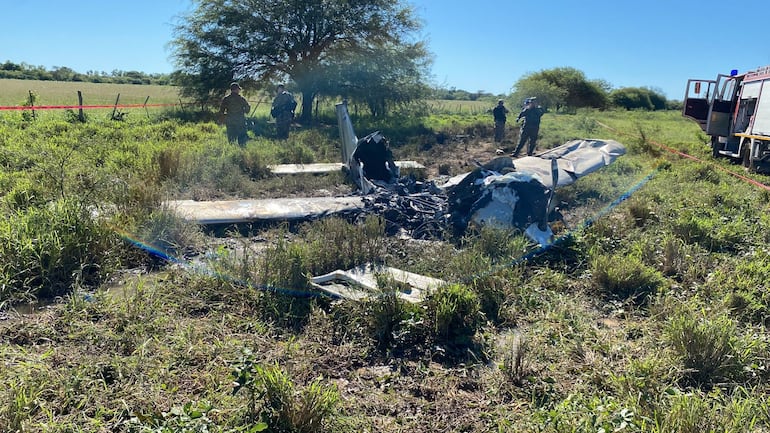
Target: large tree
(269,40)
(566,87)
(547,94)
(632,98)
(380,77)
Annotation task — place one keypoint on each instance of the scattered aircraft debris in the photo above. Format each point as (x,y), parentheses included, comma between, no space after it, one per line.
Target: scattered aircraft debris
(504,192)
(361,282)
(518,193)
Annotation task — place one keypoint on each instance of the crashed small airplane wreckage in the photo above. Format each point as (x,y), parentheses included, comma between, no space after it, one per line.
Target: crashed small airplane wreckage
(504,192)
(518,193)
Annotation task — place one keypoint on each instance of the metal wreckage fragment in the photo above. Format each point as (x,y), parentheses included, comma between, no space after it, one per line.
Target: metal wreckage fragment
(505,192)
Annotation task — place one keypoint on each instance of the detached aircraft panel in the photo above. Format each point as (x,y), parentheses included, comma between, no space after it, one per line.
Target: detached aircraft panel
(574,159)
(275,209)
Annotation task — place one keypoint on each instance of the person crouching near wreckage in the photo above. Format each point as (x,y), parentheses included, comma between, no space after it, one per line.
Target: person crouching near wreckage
(374,154)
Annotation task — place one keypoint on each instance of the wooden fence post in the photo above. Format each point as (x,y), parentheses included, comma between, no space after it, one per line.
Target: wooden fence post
(32,104)
(115,108)
(145,106)
(81,115)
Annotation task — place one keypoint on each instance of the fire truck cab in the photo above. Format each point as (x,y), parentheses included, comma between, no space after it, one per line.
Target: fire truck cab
(734,110)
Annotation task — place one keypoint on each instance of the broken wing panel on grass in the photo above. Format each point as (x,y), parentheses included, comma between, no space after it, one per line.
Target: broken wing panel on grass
(575,159)
(361,282)
(274,209)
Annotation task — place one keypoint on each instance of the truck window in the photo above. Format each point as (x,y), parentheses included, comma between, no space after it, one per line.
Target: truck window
(700,89)
(697,99)
(726,90)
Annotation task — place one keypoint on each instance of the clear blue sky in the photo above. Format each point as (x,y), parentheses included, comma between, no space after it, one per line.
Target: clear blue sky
(477,45)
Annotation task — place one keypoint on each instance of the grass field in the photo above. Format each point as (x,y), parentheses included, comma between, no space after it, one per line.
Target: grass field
(648,314)
(16,92)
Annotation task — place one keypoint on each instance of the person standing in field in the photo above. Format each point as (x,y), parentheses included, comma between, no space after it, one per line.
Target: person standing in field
(232,112)
(283,111)
(530,128)
(499,113)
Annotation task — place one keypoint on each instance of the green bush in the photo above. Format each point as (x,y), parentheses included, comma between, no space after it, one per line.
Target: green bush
(385,313)
(168,234)
(252,162)
(714,412)
(45,252)
(584,413)
(707,348)
(285,265)
(744,287)
(640,211)
(333,243)
(496,243)
(455,315)
(190,417)
(281,407)
(624,277)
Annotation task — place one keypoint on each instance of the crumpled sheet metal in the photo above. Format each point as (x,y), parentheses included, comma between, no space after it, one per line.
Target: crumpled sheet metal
(508,200)
(362,283)
(517,193)
(575,159)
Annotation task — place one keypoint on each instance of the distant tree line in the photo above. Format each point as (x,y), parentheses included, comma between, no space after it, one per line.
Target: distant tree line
(24,71)
(379,76)
(568,89)
(454,94)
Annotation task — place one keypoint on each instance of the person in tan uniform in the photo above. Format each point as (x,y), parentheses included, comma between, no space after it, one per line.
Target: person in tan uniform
(232,112)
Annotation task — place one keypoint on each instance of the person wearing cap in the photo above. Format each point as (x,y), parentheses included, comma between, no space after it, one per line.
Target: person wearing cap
(283,111)
(499,113)
(232,112)
(530,128)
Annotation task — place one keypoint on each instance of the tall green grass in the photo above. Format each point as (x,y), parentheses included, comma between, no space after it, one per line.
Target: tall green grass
(649,315)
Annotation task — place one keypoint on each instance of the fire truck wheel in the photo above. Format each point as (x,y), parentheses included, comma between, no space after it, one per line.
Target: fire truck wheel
(715,147)
(746,158)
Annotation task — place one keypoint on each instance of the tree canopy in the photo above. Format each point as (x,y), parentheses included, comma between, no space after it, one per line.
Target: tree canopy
(632,98)
(306,41)
(564,86)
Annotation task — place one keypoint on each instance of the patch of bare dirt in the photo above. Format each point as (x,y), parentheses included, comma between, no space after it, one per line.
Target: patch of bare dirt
(457,156)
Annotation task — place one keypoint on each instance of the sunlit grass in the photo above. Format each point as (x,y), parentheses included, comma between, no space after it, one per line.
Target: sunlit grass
(648,315)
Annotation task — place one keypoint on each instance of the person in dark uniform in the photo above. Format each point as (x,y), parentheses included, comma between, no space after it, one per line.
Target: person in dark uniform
(232,112)
(530,128)
(282,111)
(373,152)
(499,113)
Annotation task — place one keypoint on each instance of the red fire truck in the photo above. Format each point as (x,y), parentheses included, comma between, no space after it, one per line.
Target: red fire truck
(734,110)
